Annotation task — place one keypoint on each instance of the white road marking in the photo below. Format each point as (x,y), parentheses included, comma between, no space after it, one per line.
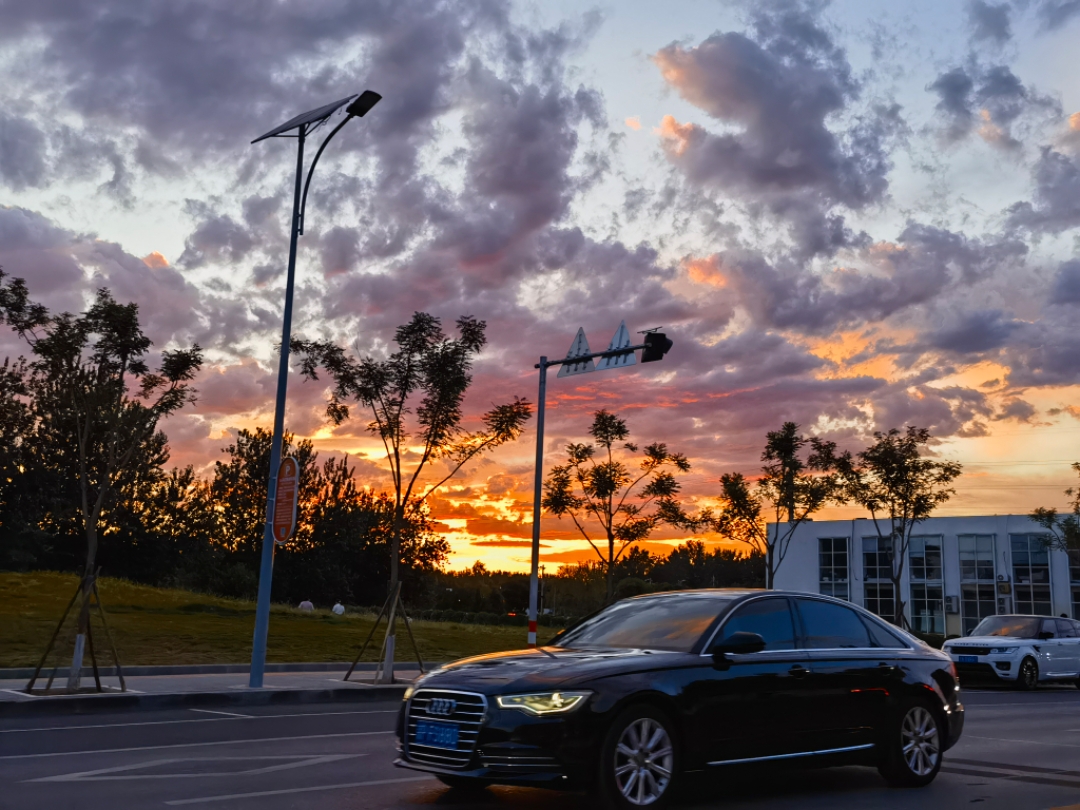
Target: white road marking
(192,745)
(228,714)
(119,773)
(372,783)
(21,694)
(200,720)
(1030,742)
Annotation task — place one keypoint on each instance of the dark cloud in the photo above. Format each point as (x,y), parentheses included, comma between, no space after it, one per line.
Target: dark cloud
(924,262)
(987,100)
(1053,14)
(1066,287)
(1056,205)
(1018,409)
(22,153)
(973,332)
(779,84)
(990,21)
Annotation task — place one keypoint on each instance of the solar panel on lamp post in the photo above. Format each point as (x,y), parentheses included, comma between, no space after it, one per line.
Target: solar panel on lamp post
(299,127)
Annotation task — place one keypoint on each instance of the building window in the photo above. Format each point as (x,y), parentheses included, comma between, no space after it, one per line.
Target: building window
(1031,574)
(977,587)
(878,594)
(1074,580)
(927,588)
(833,567)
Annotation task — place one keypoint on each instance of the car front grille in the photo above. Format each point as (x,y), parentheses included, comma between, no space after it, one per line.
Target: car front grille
(969,650)
(971,673)
(515,762)
(467,715)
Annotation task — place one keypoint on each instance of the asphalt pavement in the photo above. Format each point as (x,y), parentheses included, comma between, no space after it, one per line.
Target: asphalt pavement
(1019,752)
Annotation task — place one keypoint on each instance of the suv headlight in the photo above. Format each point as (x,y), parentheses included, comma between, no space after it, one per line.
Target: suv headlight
(408,691)
(1002,650)
(542,703)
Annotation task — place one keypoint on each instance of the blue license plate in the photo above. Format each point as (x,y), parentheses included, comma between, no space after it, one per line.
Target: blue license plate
(437,735)
(969,659)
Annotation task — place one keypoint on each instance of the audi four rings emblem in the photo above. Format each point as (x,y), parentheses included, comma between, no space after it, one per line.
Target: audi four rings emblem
(442,706)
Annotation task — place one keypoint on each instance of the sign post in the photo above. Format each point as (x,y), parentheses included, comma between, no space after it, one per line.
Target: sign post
(579,360)
(285,498)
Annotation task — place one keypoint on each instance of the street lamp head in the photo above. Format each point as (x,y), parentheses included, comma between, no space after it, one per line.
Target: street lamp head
(366,100)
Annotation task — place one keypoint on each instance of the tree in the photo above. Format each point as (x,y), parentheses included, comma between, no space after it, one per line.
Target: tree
(1064,528)
(599,492)
(792,488)
(97,404)
(436,368)
(900,488)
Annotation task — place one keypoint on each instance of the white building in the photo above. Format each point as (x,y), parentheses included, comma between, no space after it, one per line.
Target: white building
(959,570)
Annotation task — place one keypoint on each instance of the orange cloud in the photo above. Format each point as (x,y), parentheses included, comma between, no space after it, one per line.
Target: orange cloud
(676,136)
(155,260)
(706,271)
(633,122)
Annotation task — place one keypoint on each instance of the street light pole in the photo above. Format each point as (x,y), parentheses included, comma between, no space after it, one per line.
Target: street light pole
(538,483)
(303,124)
(266,565)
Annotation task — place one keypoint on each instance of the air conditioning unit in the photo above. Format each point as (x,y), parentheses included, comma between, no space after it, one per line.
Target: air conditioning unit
(952,604)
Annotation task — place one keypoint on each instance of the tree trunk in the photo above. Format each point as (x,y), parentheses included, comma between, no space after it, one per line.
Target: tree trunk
(898,555)
(387,673)
(75,674)
(610,570)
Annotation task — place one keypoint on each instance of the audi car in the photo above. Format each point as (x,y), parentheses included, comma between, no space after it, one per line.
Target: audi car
(1020,651)
(650,689)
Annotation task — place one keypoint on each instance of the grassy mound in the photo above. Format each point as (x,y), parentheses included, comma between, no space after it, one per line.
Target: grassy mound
(163,626)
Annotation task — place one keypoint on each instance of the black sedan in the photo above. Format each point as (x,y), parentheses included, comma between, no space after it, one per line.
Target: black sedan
(652,688)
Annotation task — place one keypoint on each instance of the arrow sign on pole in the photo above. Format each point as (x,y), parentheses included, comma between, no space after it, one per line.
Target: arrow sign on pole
(579,347)
(288,490)
(620,341)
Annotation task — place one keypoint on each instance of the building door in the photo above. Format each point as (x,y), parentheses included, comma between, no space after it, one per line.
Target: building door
(977,585)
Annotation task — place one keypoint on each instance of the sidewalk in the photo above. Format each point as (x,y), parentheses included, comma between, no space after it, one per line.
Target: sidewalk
(224,685)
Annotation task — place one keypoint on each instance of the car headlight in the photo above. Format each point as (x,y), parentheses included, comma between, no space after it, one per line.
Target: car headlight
(1002,650)
(543,702)
(408,692)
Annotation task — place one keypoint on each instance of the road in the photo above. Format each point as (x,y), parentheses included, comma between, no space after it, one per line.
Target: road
(1019,752)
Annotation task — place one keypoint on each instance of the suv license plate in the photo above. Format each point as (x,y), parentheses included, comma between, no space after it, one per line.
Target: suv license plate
(437,735)
(969,659)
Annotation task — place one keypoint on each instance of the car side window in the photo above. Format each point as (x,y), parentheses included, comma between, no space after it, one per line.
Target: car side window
(1065,629)
(1050,626)
(828,626)
(882,637)
(769,618)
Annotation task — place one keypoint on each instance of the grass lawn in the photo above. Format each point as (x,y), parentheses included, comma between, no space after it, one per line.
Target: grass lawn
(161,626)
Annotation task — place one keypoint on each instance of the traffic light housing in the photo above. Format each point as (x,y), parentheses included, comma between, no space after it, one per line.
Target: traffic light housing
(657,345)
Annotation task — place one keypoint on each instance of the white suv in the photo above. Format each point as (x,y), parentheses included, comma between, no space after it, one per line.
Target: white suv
(1019,650)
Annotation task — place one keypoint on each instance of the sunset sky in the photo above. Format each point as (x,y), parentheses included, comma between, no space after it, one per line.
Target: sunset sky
(853,215)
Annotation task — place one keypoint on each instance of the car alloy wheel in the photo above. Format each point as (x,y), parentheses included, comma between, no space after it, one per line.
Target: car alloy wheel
(643,761)
(920,742)
(1028,676)
(911,753)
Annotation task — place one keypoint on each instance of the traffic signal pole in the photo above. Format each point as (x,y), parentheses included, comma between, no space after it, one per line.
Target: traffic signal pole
(538,481)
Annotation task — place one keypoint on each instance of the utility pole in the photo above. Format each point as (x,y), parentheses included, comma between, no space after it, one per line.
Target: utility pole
(579,360)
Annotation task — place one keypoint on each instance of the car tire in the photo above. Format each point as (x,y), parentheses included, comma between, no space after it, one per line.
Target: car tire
(463,783)
(914,744)
(640,747)
(1027,676)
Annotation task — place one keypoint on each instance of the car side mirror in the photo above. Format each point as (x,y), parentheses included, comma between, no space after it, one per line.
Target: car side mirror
(1045,634)
(738,644)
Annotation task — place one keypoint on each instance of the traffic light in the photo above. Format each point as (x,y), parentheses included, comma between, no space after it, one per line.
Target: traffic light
(656,346)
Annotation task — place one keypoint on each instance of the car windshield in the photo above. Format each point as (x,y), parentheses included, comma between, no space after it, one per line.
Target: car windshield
(1017,626)
(660,623)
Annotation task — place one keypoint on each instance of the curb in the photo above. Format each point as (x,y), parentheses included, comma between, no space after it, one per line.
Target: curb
(20,673)
(87,704)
